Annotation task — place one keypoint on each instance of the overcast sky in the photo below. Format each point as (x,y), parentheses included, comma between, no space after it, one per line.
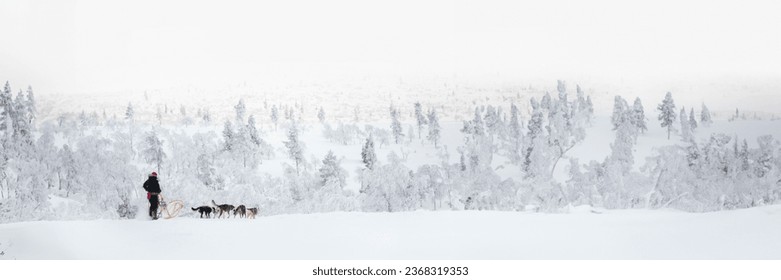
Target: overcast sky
(91,46)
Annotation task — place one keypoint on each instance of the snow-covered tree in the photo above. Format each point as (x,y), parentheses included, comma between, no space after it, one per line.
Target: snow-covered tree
(420,117)
(368,155)
(331,170)
(705,118)
(321,115)
(619,112)
(294,149)
(129,112)
(686,132)
(433,127)
(153,153)
(227,136)
(667,113)
(274,116)
(241,111)
(638,116)
(396,126)
(692,120)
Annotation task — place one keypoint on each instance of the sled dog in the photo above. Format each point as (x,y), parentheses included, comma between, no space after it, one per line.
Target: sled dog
(204,210)
(252,212)
(223,208)
(241,211)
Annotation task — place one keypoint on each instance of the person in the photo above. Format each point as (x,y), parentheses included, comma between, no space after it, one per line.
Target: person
(152,188)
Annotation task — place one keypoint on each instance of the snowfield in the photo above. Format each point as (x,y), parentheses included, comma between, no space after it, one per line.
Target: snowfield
(583,233)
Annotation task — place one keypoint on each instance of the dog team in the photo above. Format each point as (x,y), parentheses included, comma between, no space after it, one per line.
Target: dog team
(220,209)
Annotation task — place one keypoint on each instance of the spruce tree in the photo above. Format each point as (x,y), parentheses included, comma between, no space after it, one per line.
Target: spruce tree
(667,113)
(433,127)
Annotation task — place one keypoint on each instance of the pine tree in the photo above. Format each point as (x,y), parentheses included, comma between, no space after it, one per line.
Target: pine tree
(274,116)
(667,113)
(331,171)
(705,118)
(686,132)
(619,112)
(396,125)
(638,116)
(477,124)
(32,108)
(293,145)
(228,137)
(516,135)
(6,118)
(433,127)
(159,116)
(491,119)
(154,153)
(692,120)
(207,116)
(321,115)
(368,156)
(546,102)
(420,117)
(241,111)
(129,112)
(621,149)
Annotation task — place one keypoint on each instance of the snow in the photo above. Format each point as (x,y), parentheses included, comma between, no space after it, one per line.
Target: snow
(581,234)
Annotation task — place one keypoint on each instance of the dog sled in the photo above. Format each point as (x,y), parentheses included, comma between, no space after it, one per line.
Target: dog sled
(170,209)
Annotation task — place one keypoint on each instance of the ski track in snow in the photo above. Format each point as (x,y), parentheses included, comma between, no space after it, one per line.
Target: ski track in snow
(614,234)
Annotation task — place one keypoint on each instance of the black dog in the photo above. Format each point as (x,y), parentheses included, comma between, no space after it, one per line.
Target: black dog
(204,210)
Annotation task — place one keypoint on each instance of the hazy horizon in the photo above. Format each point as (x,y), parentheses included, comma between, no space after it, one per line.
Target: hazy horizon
(636,49)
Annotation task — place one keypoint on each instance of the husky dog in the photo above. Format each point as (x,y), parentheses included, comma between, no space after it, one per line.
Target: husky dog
(241,211)
(223,208)
(204,210)
(252,212)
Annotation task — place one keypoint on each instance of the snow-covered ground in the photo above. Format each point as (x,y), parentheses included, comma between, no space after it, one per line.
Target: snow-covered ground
(583,233)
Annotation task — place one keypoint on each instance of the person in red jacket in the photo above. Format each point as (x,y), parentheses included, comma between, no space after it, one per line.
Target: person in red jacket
(152,188)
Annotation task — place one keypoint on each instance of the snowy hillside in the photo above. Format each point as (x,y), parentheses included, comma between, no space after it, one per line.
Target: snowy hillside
(581,234)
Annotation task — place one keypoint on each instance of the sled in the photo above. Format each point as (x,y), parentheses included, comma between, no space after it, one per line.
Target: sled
(171,209)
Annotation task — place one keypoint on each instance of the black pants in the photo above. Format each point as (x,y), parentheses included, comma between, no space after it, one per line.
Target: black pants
(154,202)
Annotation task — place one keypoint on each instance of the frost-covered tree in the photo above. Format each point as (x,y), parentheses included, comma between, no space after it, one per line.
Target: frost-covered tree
(159,116)
(368,155)
(227,136)
(321,115)
(621,149)
(420,117)
(545,104)
(516,135)
(705,118)
(241,111)
(619,112)
(331,171)
(206,172)
(667,113)
(491,119)
(207,116)
(638,116)
(274,116)
(153,153)
(130,112)
(433,127)
(7,107)
(294,149)
(396,126)
(32,108)
(686,132)
(21,122)
(692,120)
